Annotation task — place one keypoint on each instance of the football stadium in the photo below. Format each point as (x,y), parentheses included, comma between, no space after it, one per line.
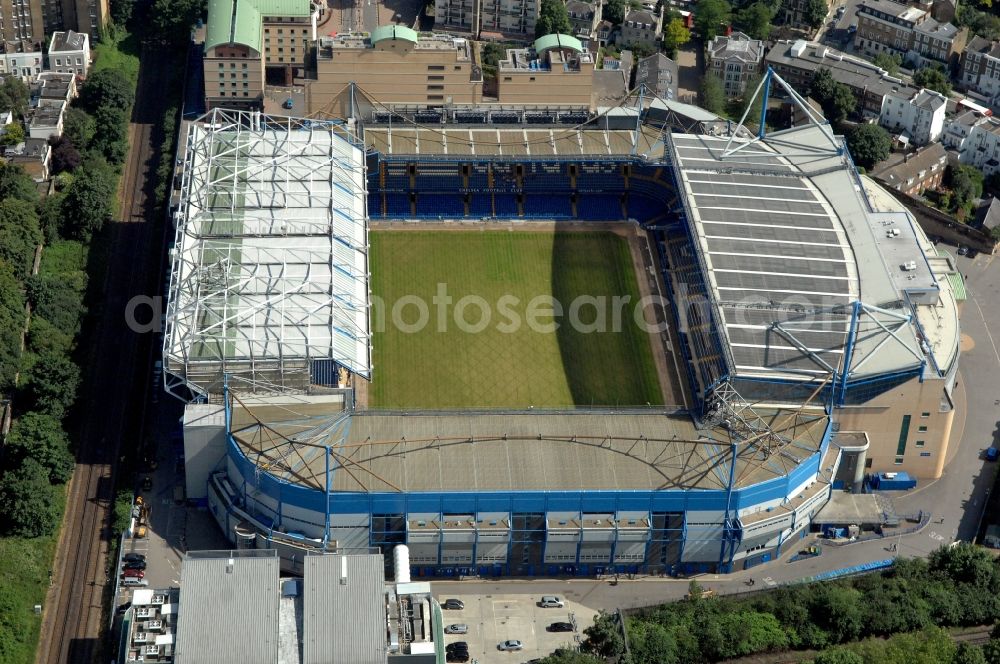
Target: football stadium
(539,344)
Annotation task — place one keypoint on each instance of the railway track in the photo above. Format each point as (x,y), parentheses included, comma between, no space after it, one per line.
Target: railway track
(112,403)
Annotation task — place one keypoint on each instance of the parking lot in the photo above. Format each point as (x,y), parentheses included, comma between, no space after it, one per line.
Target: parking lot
(495,618)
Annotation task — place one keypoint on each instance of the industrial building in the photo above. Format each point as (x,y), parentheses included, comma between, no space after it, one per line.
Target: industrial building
(817,329)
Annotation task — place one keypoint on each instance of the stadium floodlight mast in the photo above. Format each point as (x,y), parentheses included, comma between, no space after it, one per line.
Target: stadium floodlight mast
(815,120)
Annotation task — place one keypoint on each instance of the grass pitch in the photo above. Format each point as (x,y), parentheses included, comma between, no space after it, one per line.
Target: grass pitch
(438,365)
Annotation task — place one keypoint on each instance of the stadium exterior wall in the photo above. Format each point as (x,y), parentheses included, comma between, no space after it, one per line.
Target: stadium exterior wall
(679,531)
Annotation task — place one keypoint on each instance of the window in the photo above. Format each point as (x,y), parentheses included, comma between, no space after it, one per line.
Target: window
(435,97)
(435,87)
(925,415)
(922,429)
(435,78)
(919,443)
(904,432)
(58,62)
(435,67)
(898,461)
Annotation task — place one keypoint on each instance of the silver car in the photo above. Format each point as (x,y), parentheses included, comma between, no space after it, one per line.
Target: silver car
(512,644)
(456,629)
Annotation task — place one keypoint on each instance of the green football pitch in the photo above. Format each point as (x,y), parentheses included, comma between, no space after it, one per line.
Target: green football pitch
(503,347)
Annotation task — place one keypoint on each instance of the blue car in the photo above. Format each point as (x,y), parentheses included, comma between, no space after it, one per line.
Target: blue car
(288,103)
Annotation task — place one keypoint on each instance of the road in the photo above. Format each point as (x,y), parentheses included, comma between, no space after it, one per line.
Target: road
(112,400)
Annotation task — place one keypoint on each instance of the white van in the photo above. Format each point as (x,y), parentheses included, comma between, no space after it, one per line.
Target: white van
(133,581)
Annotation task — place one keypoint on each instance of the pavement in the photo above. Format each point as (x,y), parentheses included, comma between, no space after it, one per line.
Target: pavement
(836,33)
(690,70)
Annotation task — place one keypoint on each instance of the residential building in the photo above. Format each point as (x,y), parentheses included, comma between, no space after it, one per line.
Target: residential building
(555,70)
(33,19)
(605,29)
(51,88)
(939,42)
(34,155)
(22,58)
(584,16)
(976,138)
(69,53)
(46,120)
(245,38)
(980,68)
(396,65)
(735,59)
(798,61)
(659,74)
(887,26)
(493,17)
(641,27)
(914,172)
(918,118)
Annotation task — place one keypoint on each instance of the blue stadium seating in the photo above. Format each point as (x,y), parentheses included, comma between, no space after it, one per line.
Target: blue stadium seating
(432,206)
(599,207)
(481,205)
(506,206)
(547,206)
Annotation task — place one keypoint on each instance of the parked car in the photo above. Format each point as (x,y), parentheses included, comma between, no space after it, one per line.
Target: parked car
(560,627)
(991,453)
(457,656)
(456,629)
(457,646)
(133,557)
(133,573)
(551,602)
(455,604)
(510,645)
(135,564)
(134,581)
(962,250)
(288,104)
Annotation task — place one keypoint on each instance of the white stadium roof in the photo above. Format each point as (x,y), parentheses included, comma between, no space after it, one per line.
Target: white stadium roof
(796,258)
(270,263)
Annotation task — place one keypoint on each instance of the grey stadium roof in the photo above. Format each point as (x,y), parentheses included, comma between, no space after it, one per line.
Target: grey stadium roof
(344,621)
(789,244)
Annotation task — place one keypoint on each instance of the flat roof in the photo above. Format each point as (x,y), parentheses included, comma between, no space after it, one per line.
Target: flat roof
(229,607)
(270,259)
(507,451)
(789,243)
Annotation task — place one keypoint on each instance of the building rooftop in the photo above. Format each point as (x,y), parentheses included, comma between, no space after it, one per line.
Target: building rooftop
(937,30)
(551,56)
(642,16)
(852,71)
(895,9)
(21,46)
(239,21)
(989,215)
(344,618)
(68,41)
(53,85)
(658,73)
(424,41)
(495,451)
(929,100)
(736,46)
(899,170)
(149,626)
(229,607)
(789,243)
(269,270)
(47,116)
(610,85)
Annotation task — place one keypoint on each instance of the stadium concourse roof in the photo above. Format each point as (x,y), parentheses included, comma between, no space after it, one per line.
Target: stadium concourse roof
(789,243)
(513,142)
(270,262)
(498,451)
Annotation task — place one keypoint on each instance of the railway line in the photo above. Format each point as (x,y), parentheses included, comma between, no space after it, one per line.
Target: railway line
(112,402)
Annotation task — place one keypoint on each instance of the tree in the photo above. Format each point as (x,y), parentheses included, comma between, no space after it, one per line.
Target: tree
(107,87)
(121,11)
(815,13)
(78,127)
(19,235)
(869,144)
(709,16)
(173,19)
(40,437)
(933,78)
(11,324)
(552,18)
(65,156)
(88,201)
(675,35)
(28,501)
(835,98)
(111,138)
(58,298)
(966,185)
(889,62)
(838,656)
(713,97)
(13,134)
(968,654)
(51,382)
(564,656)
(614,11)
(604,637)
(14,95)
(15,183)
(755,20)
(50,216)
